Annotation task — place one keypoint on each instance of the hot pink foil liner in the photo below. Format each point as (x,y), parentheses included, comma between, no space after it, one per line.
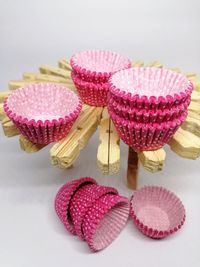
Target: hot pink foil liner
(63,200)
(98,65)
(144,115)
(83,200)
(43,113)
(150,88)
(156,211)
(104,220)
(146,136)
(94,94)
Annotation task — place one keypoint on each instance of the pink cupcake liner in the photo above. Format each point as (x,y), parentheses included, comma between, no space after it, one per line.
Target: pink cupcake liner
(157,212)
(43,113)
(63,200)
(98,65)
(83,200)
(146,116)
(150,88)
(146,136)
(91,93)
(104,221)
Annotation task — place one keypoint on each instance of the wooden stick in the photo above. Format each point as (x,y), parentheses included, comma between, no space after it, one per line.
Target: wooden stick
(65,152)
(9,128)
(3,95)
(155,64)
(114,150)
(152,161)
(175,69)
(185,144)
(30,76)
(191,75)
(138,63)
(194,107)
(195,96)
(133,169)
(2,113)
(63,64)
(47,69)
(196,84)
(192,125)
(28,146)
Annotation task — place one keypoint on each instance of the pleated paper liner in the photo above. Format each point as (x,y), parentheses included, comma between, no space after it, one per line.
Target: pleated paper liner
(156,211)
(150,88)
(63,200)
(83,200)
(146,136)
(104,221)
(94,94)
(146,116)
(43,113)
(98,65)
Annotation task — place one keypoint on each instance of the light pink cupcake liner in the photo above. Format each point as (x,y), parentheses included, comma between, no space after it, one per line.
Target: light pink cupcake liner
(98,65)
(146,116)
(63,200)
(156,211)
(146,136)
(83,200)
(104,221)
(91,93)
(150,88)
(43,113)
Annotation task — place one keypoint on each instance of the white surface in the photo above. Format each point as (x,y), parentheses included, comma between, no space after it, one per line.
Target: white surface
(37,32)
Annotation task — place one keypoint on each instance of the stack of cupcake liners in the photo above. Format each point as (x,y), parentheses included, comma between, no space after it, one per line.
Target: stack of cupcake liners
(97,214)
(147,105)
(91,70)
(43,113)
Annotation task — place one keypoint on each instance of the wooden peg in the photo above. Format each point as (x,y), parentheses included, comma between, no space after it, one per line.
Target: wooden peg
(155,64)
(192,125)
(138,63)
(108,154)
(3,95)
(47,69)
(9,128)
(133,169)
(2,113)
(195,96)
(19,83)
(185,144)
(30,76)
(152,161)
(196,84)
(194,107)
(191,75)
(28,146)
(63,64)
(66,151)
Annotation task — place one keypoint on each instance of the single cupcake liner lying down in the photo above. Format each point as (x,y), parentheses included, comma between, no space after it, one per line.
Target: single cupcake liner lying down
(43,113)
(150,88)
(98,65)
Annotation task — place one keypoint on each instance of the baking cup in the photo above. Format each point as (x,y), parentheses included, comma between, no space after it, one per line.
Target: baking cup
(146,136)
(63,200)
(156,211)
(150,88)
(94,94)
(98,65)
(43,113)
(104,221)
(83,200)
(144,115)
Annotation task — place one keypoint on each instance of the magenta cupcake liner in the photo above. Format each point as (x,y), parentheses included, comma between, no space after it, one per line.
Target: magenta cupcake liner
(98,65)
(150,87)
(104,221)
(83,200)
(146,136)
(157,212)
(43,113)
(147,116)
(91,93)
(63,200)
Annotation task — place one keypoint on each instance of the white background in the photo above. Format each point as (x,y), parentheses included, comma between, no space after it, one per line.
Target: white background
(37,32)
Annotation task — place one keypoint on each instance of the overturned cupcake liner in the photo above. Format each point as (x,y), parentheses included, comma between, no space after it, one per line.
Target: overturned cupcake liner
(157,212)
(146,136)
(139,87)
(83,200)
(98,65)
(63,200)
(41,130)
(146,116)
(105,220)
(91,93)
